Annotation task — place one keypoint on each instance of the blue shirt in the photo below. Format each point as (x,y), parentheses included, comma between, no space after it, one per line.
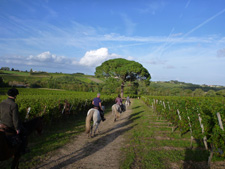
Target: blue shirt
(97,100)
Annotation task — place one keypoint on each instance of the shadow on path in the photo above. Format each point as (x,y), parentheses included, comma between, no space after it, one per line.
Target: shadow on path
(89,149)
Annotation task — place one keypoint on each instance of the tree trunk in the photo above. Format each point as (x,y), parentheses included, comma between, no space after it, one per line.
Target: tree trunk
(122,87)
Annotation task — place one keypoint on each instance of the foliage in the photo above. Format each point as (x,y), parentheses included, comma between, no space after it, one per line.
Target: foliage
(131,88)
(221,93)
(76,82)
(210,93)
(54,101)
(111,85)
(88,83)
(123,69)
(150,143)
(183,89)
(184,112)
(2,84)
(198,93)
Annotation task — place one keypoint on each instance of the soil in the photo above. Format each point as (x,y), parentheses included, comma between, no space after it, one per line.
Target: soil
(101,151)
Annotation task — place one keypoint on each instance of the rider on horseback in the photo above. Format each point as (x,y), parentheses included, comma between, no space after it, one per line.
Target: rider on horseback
(98,105)
(128,99)
(10,122)
(119,101)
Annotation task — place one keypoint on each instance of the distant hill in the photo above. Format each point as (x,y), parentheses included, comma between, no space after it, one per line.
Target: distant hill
(49,80)
(183,85)
(82,82)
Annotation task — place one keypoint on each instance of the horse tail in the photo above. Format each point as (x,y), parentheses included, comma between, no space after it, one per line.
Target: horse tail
(112,109)
(88,121)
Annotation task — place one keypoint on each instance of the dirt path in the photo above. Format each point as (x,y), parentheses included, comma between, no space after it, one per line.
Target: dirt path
(102,151)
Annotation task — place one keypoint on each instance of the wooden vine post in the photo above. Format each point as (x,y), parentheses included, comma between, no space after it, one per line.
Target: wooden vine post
(189,122)
(164,105)
(63,109)
(204,138)
(28,113)
(192,138)
(178,112)
(153,103)
(219,120)
(221,126)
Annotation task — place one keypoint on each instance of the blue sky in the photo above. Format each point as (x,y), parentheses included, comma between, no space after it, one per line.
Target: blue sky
(180,40)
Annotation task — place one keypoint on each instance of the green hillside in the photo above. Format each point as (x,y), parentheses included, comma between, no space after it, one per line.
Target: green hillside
(90,83)
(49,80)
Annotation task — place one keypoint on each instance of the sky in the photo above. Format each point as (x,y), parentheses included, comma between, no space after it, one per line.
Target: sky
(181,40)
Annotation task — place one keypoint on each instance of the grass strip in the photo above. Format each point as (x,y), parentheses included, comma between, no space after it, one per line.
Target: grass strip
(151,143)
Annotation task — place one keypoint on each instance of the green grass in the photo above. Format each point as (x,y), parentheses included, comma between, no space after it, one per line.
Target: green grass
(16,73)
(151,143)
(25,77)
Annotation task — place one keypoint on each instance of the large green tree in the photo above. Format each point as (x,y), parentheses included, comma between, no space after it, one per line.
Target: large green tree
(123,69)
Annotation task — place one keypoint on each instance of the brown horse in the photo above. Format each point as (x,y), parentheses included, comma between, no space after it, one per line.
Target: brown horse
(7,151)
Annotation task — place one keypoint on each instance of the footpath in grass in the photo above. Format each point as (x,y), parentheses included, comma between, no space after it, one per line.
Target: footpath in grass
(152,144)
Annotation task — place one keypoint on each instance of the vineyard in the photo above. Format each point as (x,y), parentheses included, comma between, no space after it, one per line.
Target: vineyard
(54,103)
(203,117)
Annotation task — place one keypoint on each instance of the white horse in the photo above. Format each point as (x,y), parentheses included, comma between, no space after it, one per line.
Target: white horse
(93,114)
(116,111)
(127,103)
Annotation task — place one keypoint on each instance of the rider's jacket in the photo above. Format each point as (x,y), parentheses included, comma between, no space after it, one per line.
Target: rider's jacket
(9,114)
(118,101)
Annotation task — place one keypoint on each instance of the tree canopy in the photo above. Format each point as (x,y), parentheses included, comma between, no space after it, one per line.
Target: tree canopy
(123,69)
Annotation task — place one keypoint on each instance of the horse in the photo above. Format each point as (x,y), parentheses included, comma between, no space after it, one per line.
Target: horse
(127,103)
(93,115)
(116,111)
(7,150)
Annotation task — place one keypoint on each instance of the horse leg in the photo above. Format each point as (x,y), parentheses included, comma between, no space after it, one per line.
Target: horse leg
(114,114)
(15,162)
(91,131)
(115,118)
(96,128)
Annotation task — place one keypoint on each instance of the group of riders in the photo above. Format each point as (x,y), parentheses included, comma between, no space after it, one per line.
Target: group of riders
(11,125)
(98,105)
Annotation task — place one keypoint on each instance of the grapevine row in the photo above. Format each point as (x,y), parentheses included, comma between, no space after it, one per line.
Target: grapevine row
(203,117)
(51,102)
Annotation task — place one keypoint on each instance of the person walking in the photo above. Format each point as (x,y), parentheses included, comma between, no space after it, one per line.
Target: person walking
(10,122)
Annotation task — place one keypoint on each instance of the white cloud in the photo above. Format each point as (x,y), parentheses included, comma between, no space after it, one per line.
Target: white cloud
(91,59)
(47,57)
(44,59)
(96,57)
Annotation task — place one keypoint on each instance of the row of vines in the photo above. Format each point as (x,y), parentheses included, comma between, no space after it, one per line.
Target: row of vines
(203,117)
(54,103)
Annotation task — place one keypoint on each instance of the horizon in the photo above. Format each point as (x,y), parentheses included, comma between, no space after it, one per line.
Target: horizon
(173,40)
(96,77)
